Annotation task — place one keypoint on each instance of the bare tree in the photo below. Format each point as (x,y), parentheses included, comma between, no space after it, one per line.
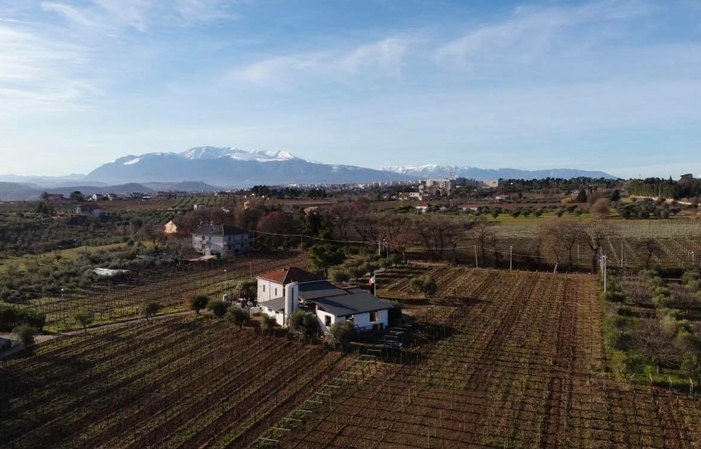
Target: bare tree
(651,247)
(594,235)
(437,232)
(601,208)
(657,344)
(483,234)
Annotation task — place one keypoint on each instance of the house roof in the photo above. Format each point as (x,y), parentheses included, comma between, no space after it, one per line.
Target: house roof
(321,289)
(351,304)
(276,305)
(219,230)
(290,274)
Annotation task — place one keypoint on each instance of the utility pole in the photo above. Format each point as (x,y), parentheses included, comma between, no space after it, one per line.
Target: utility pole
(603,269)
(511,257)
(109,297)
(384,242)
(61,308)
(225,284)
(476,262)
(622,255)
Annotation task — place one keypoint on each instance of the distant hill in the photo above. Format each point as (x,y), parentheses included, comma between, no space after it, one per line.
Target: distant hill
(11,191)
(232,168)
(445,171)
(186,186)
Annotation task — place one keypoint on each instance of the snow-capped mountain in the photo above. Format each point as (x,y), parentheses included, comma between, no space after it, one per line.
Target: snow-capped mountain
(237,154)
(445,171)
(233,167)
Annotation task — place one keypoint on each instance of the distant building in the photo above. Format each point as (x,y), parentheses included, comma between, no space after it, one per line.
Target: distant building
(54,197)
(170,228)
(221,239)
(199,207)
(97,197)
(92,210)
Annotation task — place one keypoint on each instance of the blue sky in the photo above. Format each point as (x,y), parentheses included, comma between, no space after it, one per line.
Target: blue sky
(606,85)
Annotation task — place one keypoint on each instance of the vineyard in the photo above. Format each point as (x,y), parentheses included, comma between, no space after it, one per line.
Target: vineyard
(517,362)
(186,204)
(626,252)
(183,382)
(121,299)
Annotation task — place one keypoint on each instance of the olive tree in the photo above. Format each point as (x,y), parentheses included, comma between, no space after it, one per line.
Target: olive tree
(342,332)
(238,315)
(84,318)
(218,308)
(267,324)
(25,334)
(149,309)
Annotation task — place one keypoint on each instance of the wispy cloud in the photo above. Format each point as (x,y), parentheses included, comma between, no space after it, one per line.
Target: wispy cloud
(383,58)
(141,15)
(37,73)
(531,33)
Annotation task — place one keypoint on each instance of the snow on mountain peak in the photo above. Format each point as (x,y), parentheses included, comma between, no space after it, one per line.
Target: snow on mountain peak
(200,153)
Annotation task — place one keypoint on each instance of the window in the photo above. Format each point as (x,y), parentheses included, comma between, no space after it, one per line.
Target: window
(327,320)
(373,316)
(263,288)
(275,291)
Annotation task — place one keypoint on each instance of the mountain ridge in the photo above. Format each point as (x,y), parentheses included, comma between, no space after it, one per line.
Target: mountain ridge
(445,171)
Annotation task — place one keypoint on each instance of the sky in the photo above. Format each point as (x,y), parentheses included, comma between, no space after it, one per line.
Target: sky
(602,85)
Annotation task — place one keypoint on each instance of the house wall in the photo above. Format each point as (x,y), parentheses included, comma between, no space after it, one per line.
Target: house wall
(279,316)
(321,315)
(266,290)
(361,320)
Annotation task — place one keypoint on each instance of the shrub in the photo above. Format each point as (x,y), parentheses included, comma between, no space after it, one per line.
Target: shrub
(218,308)
(423,284)
(149,309)
(267,324)
(25,334)
(342,333)
(84,318)
(238,316)
(340,276)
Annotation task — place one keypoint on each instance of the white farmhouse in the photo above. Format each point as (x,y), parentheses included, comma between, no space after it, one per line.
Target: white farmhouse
(271,285)
(283,291)
(220,239)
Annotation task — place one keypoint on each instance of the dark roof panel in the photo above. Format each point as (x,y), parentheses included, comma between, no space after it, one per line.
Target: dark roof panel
(351,304)
(320,289)
(276,304)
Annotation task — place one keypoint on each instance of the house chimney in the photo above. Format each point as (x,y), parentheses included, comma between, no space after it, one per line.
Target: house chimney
(291,300)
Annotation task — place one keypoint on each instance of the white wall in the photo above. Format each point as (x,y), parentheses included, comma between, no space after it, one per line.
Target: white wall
(266,290)
(322,320)
(361,320)
(279,316)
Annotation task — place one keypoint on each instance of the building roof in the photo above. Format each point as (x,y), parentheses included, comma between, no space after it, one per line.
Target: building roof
(276,305)
(219,230)
(321,289)
(292,274)
(351,304)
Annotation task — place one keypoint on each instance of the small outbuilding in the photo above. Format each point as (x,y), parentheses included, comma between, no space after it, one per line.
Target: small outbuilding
(365,311)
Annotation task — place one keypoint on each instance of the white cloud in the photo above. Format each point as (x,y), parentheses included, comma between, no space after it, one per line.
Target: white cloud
(141,15)
(531,33)
(384,58)
(37,73)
